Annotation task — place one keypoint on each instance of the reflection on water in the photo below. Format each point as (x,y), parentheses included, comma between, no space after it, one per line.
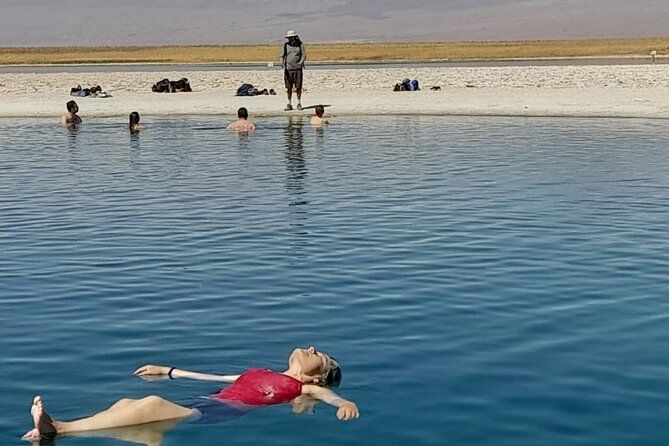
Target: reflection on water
(134,141)
(320,134)
(295,162)
(72,132)
(148,434)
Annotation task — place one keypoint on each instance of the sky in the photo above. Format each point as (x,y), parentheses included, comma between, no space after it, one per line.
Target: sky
(168,22)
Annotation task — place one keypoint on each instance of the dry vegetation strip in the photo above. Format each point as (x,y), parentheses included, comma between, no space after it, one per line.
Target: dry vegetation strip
(336,52)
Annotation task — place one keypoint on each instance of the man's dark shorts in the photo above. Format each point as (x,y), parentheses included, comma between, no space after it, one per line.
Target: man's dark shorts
(293,78)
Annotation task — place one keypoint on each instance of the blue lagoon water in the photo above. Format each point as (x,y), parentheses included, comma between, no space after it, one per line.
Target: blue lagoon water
(483,281)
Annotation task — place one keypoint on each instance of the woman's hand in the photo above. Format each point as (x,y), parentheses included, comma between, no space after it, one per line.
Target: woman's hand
(152,370)
(348,411)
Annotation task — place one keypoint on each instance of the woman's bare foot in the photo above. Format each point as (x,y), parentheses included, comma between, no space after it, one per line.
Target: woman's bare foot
(44,426)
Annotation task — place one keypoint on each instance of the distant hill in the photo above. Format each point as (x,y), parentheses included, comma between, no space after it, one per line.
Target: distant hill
(148,22)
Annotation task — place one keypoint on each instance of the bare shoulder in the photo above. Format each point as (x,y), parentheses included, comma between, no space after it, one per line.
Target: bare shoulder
(242,126)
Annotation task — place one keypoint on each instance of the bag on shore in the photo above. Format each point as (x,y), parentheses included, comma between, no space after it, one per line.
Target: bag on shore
(161,86)
(95,91)
(407,85)
(250,90)
(247,90)
(168,86)
(181,86)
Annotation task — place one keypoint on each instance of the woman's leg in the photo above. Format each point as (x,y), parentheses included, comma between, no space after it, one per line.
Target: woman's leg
(126,412)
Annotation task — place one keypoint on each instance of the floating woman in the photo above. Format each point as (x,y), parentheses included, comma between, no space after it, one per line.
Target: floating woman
(309,373)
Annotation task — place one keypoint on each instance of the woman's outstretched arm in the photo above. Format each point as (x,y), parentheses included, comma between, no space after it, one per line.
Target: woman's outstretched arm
(159,370)
(347,409)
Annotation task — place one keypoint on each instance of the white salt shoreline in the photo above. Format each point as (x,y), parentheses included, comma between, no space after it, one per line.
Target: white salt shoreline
(638,91)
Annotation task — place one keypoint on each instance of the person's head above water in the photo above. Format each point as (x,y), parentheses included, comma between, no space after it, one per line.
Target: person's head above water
(72,107)
(133,120)
(314,367)
(320,110)
(243,113)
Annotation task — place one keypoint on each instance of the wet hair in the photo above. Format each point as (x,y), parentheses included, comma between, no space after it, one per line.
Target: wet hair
(72,107)
(243,113)
(320,110)
(134,120)
(332,376)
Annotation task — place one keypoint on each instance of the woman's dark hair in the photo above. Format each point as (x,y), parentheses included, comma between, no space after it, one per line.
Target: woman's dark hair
(320,110)
(243,113)
(72,107)
(134,120)
(332,376)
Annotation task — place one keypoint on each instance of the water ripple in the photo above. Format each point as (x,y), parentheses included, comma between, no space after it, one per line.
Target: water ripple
(488,280)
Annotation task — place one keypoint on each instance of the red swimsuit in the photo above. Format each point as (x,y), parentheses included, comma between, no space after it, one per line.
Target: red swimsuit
(259,387)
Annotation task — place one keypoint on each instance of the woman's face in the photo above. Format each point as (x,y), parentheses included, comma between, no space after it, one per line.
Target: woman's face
(310,361)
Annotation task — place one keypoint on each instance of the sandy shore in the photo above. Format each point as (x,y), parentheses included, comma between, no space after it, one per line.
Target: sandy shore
(598,90)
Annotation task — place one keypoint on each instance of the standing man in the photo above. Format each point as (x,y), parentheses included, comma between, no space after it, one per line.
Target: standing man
(292,60)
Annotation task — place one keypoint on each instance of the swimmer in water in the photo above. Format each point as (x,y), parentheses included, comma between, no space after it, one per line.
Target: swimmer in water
(317,119)
(133,124)
(310,373)
(242,124)
(71,119)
